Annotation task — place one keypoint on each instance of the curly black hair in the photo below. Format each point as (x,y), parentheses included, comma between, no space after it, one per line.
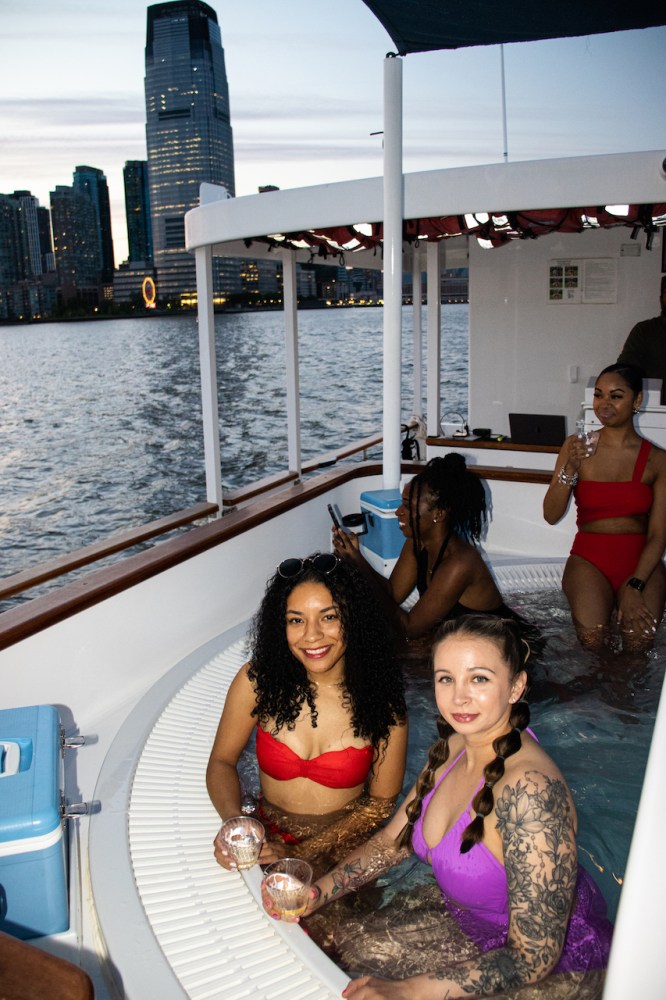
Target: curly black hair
(456,490)
(373,682)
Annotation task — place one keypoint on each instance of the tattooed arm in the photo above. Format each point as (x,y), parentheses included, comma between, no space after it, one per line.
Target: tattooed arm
(535,822)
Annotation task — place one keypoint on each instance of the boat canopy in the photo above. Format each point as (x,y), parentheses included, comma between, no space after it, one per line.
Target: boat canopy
(428,25)
(491,229)
(342,223)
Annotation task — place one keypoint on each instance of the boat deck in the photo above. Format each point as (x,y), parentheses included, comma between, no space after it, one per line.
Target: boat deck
(206,934)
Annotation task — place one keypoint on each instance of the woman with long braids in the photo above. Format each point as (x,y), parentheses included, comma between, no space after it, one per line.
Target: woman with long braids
(324,695)
(442,515)
(493,815)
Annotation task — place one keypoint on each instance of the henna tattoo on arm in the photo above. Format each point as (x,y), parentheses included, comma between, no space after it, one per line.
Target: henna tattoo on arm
(536,825)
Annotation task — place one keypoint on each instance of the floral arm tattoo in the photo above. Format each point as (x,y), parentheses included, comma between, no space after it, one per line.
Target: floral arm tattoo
(370,861)
(535,822)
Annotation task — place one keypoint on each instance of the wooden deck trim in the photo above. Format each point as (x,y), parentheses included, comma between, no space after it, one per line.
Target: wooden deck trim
(20,622)
(486,444)
(120,540)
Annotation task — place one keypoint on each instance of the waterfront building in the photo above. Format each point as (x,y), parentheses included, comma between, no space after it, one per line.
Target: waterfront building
(45,240)
(137,212)
(28,234)
(25,291)
(77,244)
(188,135)
(91,181)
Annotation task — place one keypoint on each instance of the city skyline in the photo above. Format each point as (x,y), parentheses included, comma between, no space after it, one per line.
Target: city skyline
(305,96)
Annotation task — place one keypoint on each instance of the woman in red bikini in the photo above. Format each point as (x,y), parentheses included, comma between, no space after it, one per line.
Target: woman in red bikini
(620,493)
(325,695)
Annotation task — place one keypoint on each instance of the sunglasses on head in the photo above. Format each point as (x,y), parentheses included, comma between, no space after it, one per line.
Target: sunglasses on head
(325,562)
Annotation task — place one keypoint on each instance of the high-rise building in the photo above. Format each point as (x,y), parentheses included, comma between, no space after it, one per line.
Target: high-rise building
(45,240)
(188,134)
(26,292)
(91,181)
(31,258)
(137,212)
(77,243)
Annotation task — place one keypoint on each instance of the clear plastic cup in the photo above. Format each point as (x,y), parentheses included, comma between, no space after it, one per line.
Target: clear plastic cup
(590,439)
(288,884)
(243,837)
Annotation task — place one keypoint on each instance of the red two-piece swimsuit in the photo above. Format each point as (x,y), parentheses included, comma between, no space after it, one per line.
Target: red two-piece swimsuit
(613,555)
(334,769)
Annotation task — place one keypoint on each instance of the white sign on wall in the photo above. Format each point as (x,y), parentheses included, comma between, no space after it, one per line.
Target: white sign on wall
(586,280)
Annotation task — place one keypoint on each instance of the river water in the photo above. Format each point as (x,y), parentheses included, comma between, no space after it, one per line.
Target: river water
(100,421)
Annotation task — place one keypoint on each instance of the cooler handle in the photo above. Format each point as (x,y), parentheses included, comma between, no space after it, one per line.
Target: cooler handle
(10,758)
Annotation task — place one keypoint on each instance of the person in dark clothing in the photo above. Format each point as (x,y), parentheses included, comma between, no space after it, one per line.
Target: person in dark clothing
(645,347)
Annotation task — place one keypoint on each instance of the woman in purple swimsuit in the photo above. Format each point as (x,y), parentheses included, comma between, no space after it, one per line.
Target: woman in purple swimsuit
(324,695)
(493,815)
(615,565)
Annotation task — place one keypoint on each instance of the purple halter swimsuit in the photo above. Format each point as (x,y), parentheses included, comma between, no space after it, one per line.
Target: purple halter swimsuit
(474,891)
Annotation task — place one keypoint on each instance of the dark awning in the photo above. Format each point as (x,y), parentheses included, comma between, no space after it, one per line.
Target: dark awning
(426,25)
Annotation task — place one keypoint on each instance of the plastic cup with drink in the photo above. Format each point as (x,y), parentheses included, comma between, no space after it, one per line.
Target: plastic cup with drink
(243,837)
(286,887)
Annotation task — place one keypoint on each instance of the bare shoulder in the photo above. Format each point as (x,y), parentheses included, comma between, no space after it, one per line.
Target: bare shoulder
(533,761)
(533,778)
(657,460)
(241,690)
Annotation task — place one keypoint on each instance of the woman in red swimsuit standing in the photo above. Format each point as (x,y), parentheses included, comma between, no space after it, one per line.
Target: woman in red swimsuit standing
(325,695)
(620,493)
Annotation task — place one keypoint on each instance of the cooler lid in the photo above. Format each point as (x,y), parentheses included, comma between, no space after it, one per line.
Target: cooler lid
(29,772)
(382,499)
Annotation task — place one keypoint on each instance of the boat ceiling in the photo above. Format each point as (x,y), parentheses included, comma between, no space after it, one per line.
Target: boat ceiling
(342,244)
(428,25)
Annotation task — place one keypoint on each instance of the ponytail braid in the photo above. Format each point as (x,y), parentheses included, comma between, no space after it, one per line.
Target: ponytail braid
(437,755)
(483,802)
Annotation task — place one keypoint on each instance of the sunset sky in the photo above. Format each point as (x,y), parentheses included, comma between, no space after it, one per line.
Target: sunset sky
(305,82)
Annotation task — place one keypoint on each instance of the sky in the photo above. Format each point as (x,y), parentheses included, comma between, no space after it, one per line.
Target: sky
(305,85)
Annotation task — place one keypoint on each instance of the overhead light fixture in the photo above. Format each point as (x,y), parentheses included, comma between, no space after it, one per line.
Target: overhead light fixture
(617,209)
(484,244)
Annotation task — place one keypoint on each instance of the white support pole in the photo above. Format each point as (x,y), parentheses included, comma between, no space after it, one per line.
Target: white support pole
(393,211)
(434,353)
(291,343)
(211,429)
(417,326)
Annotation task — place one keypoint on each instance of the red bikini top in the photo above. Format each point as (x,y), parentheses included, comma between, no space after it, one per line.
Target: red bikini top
(597,500)
(334,769)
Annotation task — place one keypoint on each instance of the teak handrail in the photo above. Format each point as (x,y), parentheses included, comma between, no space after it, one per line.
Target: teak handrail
(61,565)
(41,612)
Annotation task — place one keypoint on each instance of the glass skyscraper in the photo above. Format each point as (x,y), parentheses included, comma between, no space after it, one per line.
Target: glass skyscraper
(137,212)
(188,134)
(92,182)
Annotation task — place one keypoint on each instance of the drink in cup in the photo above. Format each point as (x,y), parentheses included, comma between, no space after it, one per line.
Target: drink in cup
(287,882)
(243,837)
(590,439)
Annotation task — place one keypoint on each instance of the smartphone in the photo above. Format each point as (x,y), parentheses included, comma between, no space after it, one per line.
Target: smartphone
(334,517)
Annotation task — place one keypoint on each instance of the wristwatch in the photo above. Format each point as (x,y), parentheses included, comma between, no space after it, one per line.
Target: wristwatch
(637,584)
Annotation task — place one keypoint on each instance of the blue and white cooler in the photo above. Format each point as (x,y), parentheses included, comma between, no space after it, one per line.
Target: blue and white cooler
(382,542)
(33,868)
